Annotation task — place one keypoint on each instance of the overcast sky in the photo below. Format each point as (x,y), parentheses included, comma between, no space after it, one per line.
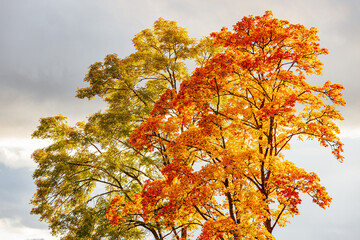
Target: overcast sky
(46,47)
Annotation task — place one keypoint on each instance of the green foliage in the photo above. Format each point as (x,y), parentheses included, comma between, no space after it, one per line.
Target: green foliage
(78,174)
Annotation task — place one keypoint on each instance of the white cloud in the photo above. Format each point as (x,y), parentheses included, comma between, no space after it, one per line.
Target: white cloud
(350,132)
(16,153)
(12,229)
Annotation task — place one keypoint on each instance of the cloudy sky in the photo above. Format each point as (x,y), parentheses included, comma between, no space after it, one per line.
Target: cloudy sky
(47,45)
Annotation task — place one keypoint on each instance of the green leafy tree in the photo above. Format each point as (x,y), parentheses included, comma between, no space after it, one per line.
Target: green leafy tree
(78,175)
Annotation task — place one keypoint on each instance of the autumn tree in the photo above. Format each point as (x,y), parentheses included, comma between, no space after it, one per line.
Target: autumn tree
(87,165)
(220,139)
(205,157)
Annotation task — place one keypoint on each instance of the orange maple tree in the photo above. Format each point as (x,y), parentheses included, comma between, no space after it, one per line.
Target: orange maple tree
(223,133)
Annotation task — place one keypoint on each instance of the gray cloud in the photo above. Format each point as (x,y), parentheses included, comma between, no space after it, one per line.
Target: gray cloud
(46,47)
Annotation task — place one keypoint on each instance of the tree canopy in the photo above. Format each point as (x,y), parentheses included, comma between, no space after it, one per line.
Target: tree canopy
(179,154)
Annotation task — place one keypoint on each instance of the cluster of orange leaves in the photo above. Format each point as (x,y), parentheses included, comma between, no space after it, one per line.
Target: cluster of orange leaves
(221,136)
